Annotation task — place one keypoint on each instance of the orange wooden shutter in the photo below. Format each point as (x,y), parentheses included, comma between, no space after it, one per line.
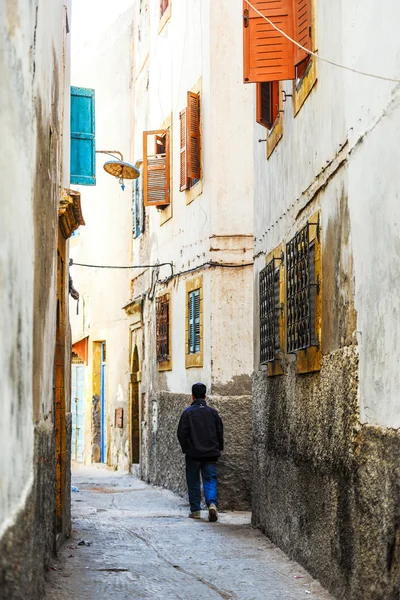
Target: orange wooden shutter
(183,154)
(267,54)
(156,172)
(193,136)
(302,29)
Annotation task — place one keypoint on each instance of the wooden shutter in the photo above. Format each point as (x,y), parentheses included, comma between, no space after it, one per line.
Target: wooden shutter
(162,326)
(303,26)
(191,335)
(196,320)
(83,143)
(193,135)
(183,154)
(156,171)
(268,55)
(267,105)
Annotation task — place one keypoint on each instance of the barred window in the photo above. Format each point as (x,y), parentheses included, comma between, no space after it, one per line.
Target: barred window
(301,291)
(194,321)
(162,325)
(270,307)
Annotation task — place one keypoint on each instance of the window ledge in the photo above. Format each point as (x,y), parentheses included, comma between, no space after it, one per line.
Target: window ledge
(275,368)
(303,90)
(308,360)
(274,136)
(194,192)
(194,360)
(165,365)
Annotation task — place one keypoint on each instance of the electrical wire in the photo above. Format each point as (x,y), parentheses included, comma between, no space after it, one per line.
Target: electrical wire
(209,263)
(155,266)
(326,60)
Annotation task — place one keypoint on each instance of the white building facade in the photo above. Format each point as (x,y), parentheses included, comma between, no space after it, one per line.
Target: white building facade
(100,342)
(37,216)
(191,317)
(326,326)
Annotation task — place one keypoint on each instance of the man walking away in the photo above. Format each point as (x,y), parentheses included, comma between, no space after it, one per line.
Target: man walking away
(200,434)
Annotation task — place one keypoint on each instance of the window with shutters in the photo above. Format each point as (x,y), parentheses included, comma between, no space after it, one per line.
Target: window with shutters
(267,55)
(267,103)
(190,144)
(194,324)
(163,330)
(83,143)
(156,168)
(137,204)
(306,65)
(303,296)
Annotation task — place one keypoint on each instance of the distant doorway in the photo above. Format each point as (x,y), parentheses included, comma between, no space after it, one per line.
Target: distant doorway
(134,419)
(77,408)
(103,404)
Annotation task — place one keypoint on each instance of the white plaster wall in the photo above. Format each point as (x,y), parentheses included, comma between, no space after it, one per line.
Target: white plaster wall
(197,43)
(105,64)
(30,41)
(373,113)
(365,111)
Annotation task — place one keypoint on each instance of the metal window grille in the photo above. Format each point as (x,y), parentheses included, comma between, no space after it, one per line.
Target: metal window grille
(270,307)
(194,321)
(301,291)
(162,325)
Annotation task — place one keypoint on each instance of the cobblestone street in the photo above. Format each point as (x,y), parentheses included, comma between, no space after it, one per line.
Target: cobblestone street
(142,545)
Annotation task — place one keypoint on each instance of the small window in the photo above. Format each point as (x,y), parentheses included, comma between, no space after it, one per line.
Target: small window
(267,104)
(163,7)
(156,168)
(194,322)
(270,312)
(137,207)
(190,144)
(162,325)
(302,288)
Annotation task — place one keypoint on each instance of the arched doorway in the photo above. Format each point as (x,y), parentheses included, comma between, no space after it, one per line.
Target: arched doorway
(134,416)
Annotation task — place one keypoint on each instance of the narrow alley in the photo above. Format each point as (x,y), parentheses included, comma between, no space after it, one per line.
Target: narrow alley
(142,545)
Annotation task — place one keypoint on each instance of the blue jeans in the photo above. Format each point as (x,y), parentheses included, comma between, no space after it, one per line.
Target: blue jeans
(209,477)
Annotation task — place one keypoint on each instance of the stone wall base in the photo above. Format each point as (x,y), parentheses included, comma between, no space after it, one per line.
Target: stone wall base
(164,460)
(326,489)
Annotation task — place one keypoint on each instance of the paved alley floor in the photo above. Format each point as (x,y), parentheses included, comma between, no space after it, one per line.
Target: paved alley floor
(143,545)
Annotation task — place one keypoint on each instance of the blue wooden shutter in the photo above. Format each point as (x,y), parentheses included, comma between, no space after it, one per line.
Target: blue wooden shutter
(83,145)
(197,321)
(191,323)
(194,322)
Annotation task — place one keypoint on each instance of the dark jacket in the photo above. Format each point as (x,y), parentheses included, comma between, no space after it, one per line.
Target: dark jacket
(200,431)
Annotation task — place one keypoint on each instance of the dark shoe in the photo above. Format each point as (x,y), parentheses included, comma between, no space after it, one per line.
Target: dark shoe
(212,513)
(195,514)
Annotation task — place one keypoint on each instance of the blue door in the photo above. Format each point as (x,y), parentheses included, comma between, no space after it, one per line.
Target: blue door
(103,405)
(78,411)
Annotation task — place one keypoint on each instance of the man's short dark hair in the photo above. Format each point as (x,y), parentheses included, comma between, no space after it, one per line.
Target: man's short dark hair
(199,390)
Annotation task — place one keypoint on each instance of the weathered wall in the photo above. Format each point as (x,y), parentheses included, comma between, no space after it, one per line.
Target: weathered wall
(212,222)
(326,444)
(234,467)
(33,50)
(105,64)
